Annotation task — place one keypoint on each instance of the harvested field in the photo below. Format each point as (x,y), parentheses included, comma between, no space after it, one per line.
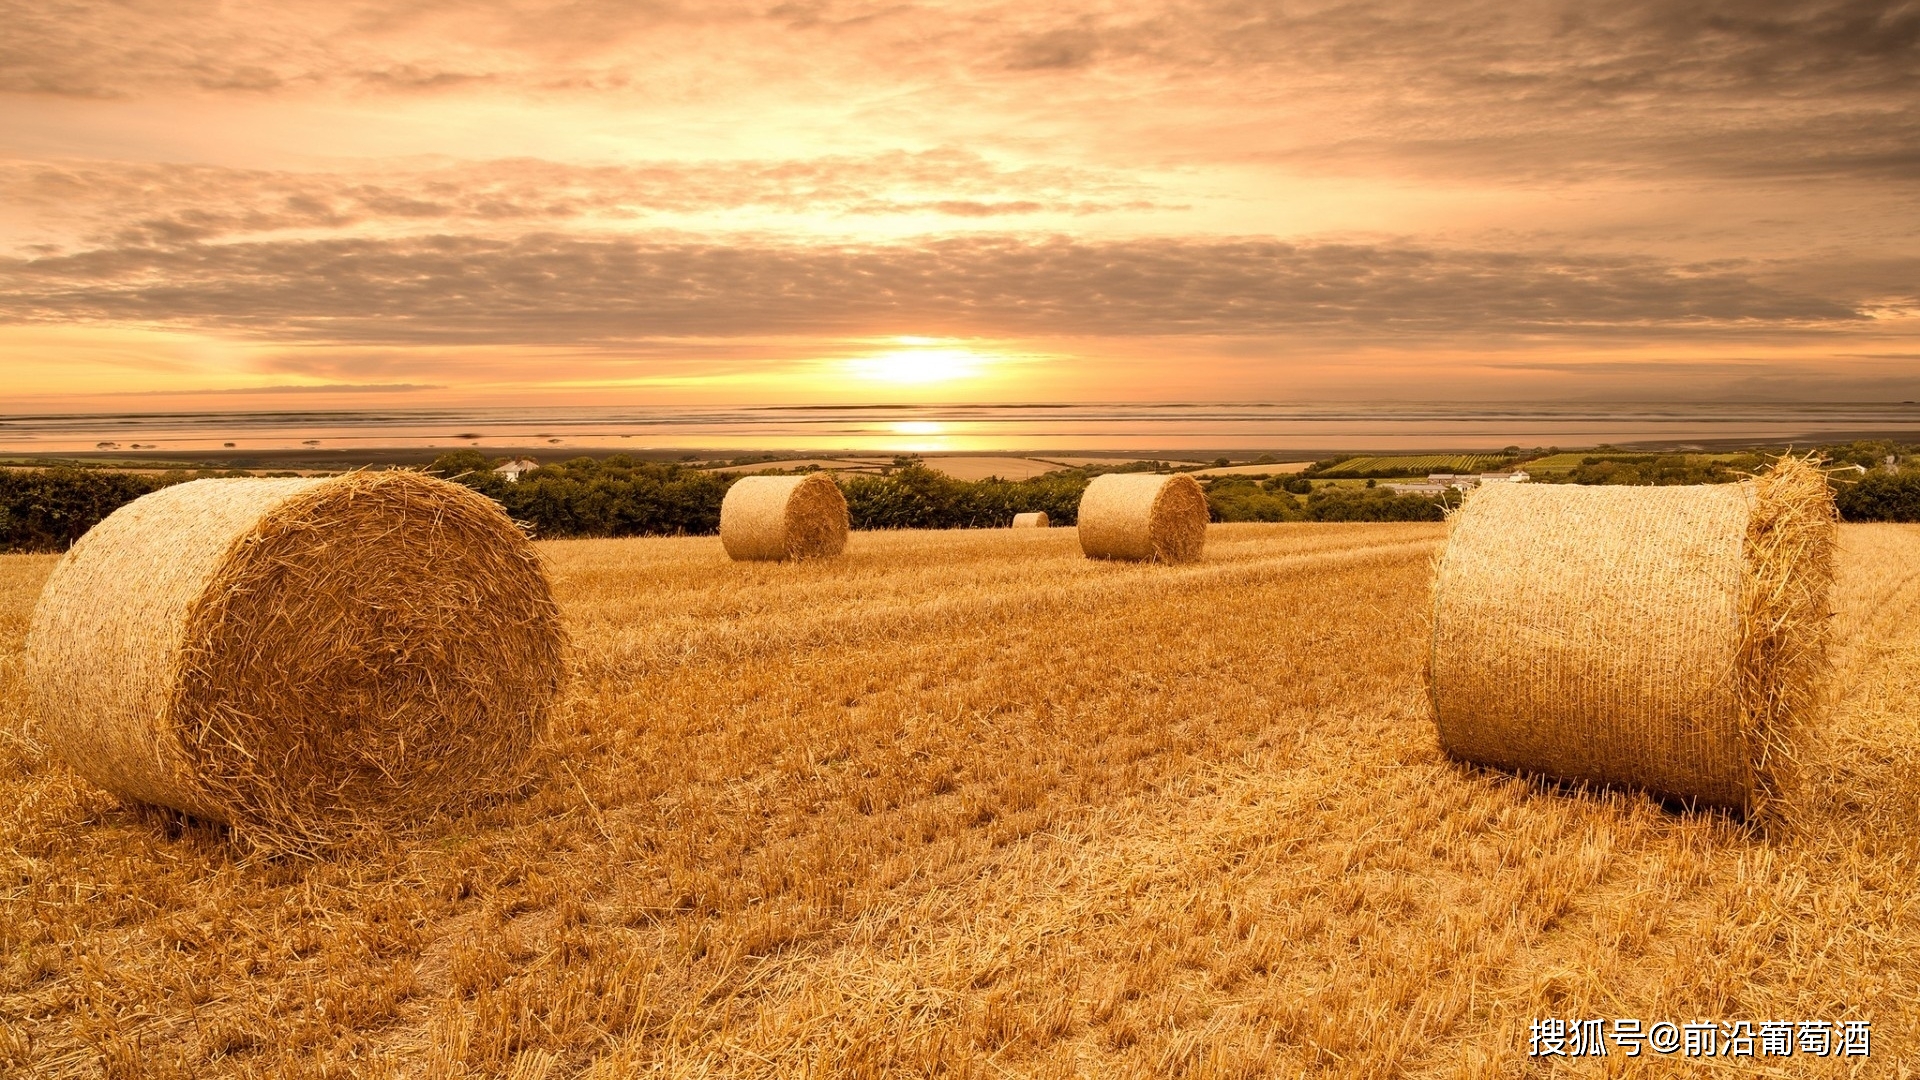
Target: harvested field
(866,465)
(1283,468)
(969,801)
(960,467)
(1114,462)
(1409,465)
(979,468)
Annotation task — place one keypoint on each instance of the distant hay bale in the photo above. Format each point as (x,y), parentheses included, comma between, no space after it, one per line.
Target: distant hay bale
(1143,516)
(1669,639)
(784,517)
(298,657)
(1035,520)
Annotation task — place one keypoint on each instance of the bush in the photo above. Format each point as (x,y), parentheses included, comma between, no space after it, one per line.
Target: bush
(1363,504)
(1234,498)
(1239,499)
(48,509)
(1663,470)
(1880,497)
(617,496)
(917,497)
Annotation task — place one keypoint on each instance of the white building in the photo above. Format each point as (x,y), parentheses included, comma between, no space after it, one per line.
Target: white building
(1440,483)
(512,469)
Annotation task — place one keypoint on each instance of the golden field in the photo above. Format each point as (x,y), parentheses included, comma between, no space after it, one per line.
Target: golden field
(968,804)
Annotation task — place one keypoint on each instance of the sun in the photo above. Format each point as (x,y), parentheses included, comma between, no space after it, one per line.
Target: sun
(918,362)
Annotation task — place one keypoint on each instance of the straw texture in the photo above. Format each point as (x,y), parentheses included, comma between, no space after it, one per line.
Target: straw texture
(1035,520)
(298,658)
(1668,639)
(783,517)
(1143,517)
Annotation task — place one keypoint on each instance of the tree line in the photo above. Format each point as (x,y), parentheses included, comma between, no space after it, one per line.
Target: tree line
(618,496)
(48,509)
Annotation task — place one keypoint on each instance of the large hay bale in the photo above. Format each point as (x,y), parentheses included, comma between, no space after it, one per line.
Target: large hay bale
(298,657)
(1668,639)
(1143,516)
(784,517)
(1035,520)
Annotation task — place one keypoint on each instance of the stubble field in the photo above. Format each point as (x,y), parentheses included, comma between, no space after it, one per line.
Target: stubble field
(968,804)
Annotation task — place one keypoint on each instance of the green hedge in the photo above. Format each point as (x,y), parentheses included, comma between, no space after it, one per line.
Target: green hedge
(1880,497)
(617,496)
(917,497)
(48,509)
(1236,498)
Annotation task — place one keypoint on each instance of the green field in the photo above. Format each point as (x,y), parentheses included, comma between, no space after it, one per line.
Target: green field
(1411,465)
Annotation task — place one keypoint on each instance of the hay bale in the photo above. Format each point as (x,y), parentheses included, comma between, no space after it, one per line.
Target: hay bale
(298,658)
(1668,639)
(1035,520)
(784,517)
(1143,516)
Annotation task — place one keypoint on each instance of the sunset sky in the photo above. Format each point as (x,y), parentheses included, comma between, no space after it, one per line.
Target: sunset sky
(207,205)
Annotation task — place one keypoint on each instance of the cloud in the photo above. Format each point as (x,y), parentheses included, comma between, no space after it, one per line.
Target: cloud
(1562,51)
(1550,173)
(103,49)
(552,289)
(1059,49)
(1727,87)
(146,203)
(322,388)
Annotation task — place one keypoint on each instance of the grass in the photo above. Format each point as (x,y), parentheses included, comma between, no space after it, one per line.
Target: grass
(968,803)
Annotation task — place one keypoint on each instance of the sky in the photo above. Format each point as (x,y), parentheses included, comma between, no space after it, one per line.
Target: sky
(495,202)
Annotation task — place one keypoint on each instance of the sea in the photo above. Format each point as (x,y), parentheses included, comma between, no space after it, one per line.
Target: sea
(1186,428)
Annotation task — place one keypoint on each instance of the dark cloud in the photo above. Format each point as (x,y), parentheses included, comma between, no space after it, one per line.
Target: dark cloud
(1075,48)
(1770,89)
(1566,50)
(553,289)
(1569,52)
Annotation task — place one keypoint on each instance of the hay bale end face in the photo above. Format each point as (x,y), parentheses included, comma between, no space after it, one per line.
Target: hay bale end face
(1035,520)
(783,517)
(298,658)
(1143,517)
(1666,639)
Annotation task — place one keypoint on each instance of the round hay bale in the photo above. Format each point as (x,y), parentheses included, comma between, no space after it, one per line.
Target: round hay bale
(1143,516)
(1667,639)
(783,517)
(298,657)
(1035,520)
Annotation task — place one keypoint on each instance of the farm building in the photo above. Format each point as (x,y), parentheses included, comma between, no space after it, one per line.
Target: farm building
(1440,483)
(513,469)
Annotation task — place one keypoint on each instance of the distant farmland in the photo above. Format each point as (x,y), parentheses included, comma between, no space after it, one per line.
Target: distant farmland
(1415,466)
(1570,461)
